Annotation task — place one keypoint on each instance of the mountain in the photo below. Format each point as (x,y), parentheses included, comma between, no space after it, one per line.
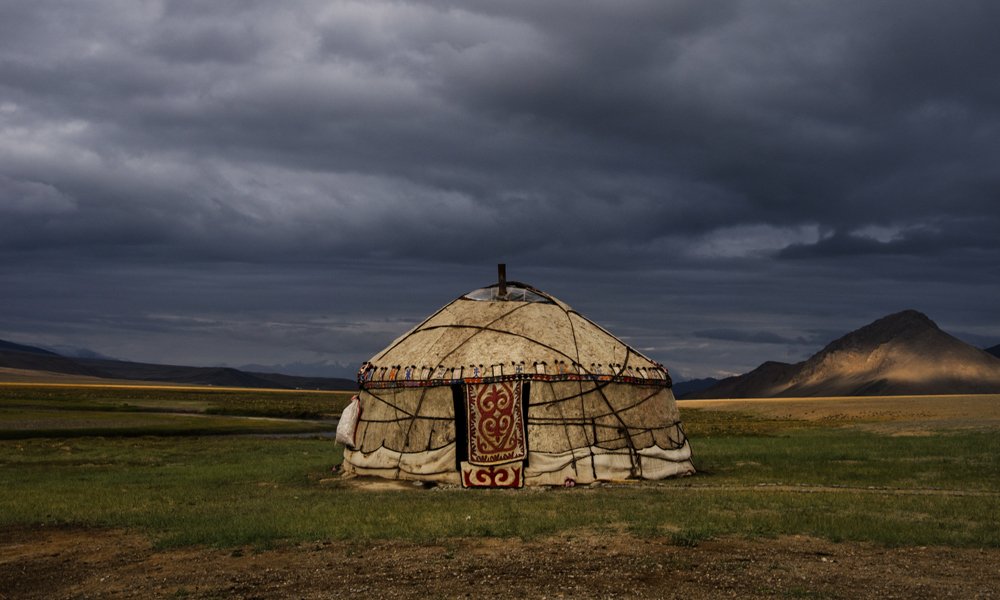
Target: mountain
(218,376)
(304,369)
(33,358)
(994,350)
(903,353)
(76,352)
(19,356)
(691,386)
(768,376)
(6,346)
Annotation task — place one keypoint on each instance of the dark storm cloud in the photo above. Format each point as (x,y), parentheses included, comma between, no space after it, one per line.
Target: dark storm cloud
(755,337)
(683,151)
(930,238)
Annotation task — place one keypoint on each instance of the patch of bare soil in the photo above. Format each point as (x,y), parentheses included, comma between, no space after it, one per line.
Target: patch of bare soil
(80,563)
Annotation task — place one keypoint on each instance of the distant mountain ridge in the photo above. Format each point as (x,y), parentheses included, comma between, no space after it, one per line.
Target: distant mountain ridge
(21,356)
(6,346)
(690,386)
(902,353)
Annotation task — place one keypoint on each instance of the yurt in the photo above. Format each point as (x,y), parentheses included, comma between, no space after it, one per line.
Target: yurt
(508,386)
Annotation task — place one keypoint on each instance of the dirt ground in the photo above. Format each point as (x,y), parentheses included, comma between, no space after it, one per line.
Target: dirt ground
(55,563)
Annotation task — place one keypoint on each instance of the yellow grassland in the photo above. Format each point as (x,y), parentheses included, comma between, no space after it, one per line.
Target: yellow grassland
(887,414)
(22,378)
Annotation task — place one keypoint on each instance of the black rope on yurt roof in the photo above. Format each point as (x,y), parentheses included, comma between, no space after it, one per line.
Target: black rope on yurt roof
(576,359)
(410,332)
(443,308)
(598,389)
(466,341)
(482,328)
(627,346)
(568,311)
(488,327)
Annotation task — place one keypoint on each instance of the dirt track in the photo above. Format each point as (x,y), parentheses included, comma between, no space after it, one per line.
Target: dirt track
(78,563)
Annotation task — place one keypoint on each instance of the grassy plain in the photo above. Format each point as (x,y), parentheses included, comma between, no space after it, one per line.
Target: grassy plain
(74,410)
(761,475)
(296,404)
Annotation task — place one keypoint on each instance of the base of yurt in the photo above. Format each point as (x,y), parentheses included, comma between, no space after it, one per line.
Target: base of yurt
(575,467)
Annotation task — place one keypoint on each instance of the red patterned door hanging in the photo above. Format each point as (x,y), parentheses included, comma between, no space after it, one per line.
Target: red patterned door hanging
(496,423)
(494,476)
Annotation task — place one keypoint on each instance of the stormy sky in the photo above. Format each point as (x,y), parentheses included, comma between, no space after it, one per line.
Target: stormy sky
(296,183)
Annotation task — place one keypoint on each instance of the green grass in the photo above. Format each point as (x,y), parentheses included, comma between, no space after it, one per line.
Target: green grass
(24,424)
(304,404)
(758,478)
(699,424)
(954,461)
(234,491)
(731,448)
(28,411)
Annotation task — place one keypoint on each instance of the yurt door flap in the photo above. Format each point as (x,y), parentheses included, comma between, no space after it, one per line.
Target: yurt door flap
(495,434)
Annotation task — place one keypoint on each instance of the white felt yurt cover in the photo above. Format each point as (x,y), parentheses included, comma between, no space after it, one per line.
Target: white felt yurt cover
(508,386)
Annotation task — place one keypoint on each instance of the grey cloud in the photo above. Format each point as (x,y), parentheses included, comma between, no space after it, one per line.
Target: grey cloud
(757,337)
(191,41)
(204,154)
(932,238)
(25,198)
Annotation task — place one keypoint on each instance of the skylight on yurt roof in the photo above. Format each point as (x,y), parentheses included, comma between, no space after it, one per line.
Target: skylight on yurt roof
(515,292)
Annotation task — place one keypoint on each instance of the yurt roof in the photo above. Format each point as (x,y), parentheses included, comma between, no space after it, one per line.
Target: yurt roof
(507,329)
